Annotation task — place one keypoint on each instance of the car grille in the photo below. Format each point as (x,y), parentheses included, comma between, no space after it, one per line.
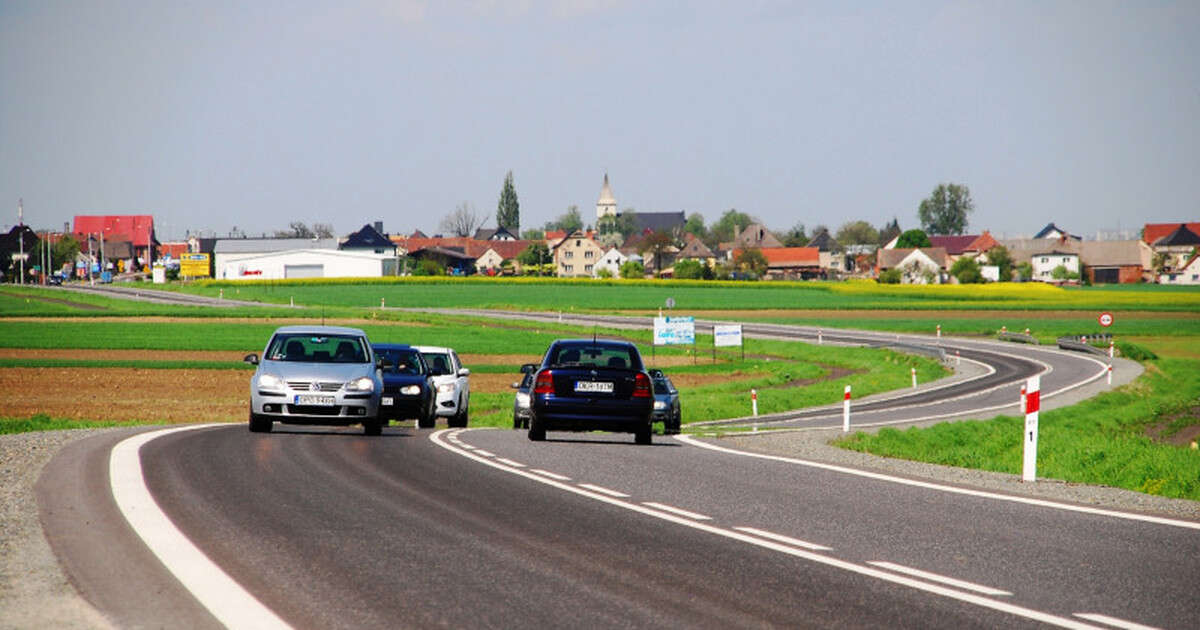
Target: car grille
(306,410)
(303,386)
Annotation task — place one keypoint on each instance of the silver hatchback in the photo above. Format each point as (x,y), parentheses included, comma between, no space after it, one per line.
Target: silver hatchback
(323,375)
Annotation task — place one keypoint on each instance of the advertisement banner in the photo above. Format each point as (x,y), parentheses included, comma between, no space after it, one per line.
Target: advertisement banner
(727,335)
(674,331)
(194,265)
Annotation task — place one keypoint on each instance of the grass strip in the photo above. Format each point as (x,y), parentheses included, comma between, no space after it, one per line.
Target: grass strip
(1102,440)
(43,422)
(146,364)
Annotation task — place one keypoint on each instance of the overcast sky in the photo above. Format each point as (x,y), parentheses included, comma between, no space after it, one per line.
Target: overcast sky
(216,114)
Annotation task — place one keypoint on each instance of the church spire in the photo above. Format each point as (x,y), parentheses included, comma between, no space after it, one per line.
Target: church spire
(606,205)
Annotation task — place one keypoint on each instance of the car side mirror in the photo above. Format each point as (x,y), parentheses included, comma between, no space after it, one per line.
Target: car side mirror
(528,368)
(516,385)
(464,372)
(384,364)
(251,358)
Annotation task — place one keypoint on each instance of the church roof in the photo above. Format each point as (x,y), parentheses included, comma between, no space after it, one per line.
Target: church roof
(606,195)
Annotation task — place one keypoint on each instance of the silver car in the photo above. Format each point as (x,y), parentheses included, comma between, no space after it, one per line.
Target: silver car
(324,375)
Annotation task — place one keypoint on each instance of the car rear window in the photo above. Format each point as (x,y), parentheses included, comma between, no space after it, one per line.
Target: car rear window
(438,362)
(589,355)
(404,361)
(318,348)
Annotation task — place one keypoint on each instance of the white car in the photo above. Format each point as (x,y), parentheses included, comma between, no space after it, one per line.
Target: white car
(453,384)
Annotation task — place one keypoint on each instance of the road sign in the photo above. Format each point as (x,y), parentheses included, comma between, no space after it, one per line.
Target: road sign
(670,302)
(674,331)
(1105,319)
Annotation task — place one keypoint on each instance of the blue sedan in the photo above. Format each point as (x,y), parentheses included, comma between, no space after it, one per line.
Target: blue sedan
(408,390)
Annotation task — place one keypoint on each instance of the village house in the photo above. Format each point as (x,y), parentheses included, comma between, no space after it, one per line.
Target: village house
(926,265)
(576,255)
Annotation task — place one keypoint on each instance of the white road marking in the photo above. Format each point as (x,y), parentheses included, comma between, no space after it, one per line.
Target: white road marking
(466,446)
(674,510)
(788,540)
(549,474)
(971,598)
(510,462)
(934,577)
(231,604)
(1114,622)
(603,490)
(1157,520)
(480,451)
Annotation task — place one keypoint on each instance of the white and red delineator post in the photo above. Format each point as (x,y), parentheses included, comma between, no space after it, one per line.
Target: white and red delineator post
(1109,370)
(1033,404)
(846,411)
(939,331)
(754,402)
(914,377)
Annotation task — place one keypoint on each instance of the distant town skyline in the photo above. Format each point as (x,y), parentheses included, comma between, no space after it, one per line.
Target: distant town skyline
(210,117)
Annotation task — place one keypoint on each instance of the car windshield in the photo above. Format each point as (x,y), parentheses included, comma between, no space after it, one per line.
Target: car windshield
(404,361)
(661,386)
(588,355)
(309,348)
(438,362)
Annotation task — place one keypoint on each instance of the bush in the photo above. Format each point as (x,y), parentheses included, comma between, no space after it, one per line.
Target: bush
(1135,352)
(631,269)
(967,271)
(891,276)
(689,270)
(604,273)
(429,268)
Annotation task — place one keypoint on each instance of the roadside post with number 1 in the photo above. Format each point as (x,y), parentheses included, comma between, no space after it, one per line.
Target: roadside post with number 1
(1033,403)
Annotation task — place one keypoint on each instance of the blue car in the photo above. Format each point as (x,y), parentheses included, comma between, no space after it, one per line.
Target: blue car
(408,390)
(591,385)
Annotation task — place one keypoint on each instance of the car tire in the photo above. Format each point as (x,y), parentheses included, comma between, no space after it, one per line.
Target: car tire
(516,422)
(459,420)
(260,424)
(373,427)
(642,435)
(537,430)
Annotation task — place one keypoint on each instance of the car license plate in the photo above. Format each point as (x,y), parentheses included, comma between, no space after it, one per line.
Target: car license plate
(310,399)
(599,387)
(386,400)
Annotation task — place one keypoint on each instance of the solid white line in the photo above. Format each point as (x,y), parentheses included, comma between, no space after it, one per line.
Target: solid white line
(1113,621)
(467,446)
(547,473)
(231,604)
(509,462)
(933,486)
(674,510)
(935,589)
(603,490)
(784,539)
(480,451)
(934,577)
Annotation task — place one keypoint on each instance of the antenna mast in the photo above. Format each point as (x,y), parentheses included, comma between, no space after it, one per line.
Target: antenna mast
(21,234)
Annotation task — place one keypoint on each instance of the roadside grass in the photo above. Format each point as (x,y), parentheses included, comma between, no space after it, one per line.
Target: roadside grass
(1102,440)
(43,422)
(28,301)
(602,295)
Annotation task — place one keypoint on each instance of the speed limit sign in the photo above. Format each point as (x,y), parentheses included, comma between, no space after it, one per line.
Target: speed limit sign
(1105,319)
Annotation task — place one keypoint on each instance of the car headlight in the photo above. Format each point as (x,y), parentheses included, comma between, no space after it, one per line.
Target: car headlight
(522,400)
(446,388)
(269,381)
(411,390)
(361,384)
(658,404)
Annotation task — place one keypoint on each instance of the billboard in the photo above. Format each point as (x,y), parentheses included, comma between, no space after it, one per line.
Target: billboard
(727,335)
(194,266)
(674,331)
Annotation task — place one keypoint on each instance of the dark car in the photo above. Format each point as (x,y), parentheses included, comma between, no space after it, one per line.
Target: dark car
(408,390)
(590,385)
(521,410)
(666,402)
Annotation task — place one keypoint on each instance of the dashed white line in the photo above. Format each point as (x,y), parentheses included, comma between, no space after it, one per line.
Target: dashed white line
(231,604)
(674,510)
(547,473)
(509,462)
(934,577)
(784,539)
(1114,622)
(603,490)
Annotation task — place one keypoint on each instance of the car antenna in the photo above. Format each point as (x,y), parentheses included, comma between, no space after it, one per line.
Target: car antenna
(322,314)
(593,333)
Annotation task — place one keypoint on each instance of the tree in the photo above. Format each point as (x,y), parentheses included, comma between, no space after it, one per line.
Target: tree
(632,269)
(508,210)
(1159,262)
(533,235)
(730,225)
(967,271)
(621,225)
(296,229)
(64,251)
(604,273)
(946,209)
(534,256)
(463,221)
(657,243)
(323,230)
(1025,270)
(1000,257)
(689,269)
(890,276)
(695,225)
(568,222)
(751,261)
(795,237)
(857,233)
(889,231)
(913,238)
(429,267)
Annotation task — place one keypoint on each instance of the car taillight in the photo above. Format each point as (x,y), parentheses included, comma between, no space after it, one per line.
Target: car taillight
(641,386)
(544,383)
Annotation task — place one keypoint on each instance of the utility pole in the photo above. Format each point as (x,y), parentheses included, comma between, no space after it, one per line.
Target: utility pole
(21,234)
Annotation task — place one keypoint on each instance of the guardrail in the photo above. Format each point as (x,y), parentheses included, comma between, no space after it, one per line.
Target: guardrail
(1080,343)
(1018,337)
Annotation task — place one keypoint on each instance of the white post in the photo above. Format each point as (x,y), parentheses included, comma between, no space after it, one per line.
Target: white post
(914,377)
(1022,399)
(382,301)
(818,337)
(939,331)
(1033,404)
(221,294)
(1110,374)
(846,411)
(957,358)
(754,402)
(1111,343)
(292,300)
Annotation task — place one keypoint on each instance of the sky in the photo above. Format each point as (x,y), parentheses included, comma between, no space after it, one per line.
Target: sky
(215,115)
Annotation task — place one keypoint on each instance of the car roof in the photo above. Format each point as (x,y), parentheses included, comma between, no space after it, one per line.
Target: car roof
(392,346)
(320,330)
(432,349)
(595,342)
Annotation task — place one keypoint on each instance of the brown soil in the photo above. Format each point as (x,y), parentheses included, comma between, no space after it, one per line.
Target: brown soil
(1182,437)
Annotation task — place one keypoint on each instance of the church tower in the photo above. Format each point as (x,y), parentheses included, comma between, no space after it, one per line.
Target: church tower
(606,205)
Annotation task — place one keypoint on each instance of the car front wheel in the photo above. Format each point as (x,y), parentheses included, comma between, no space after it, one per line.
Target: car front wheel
(642,435)
(373,427)
(260,424)
(537,430)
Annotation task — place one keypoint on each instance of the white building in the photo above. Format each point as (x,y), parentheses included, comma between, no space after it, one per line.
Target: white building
(303,263)
(606,205)
(1188,273)
(612,261)
(1045,263)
